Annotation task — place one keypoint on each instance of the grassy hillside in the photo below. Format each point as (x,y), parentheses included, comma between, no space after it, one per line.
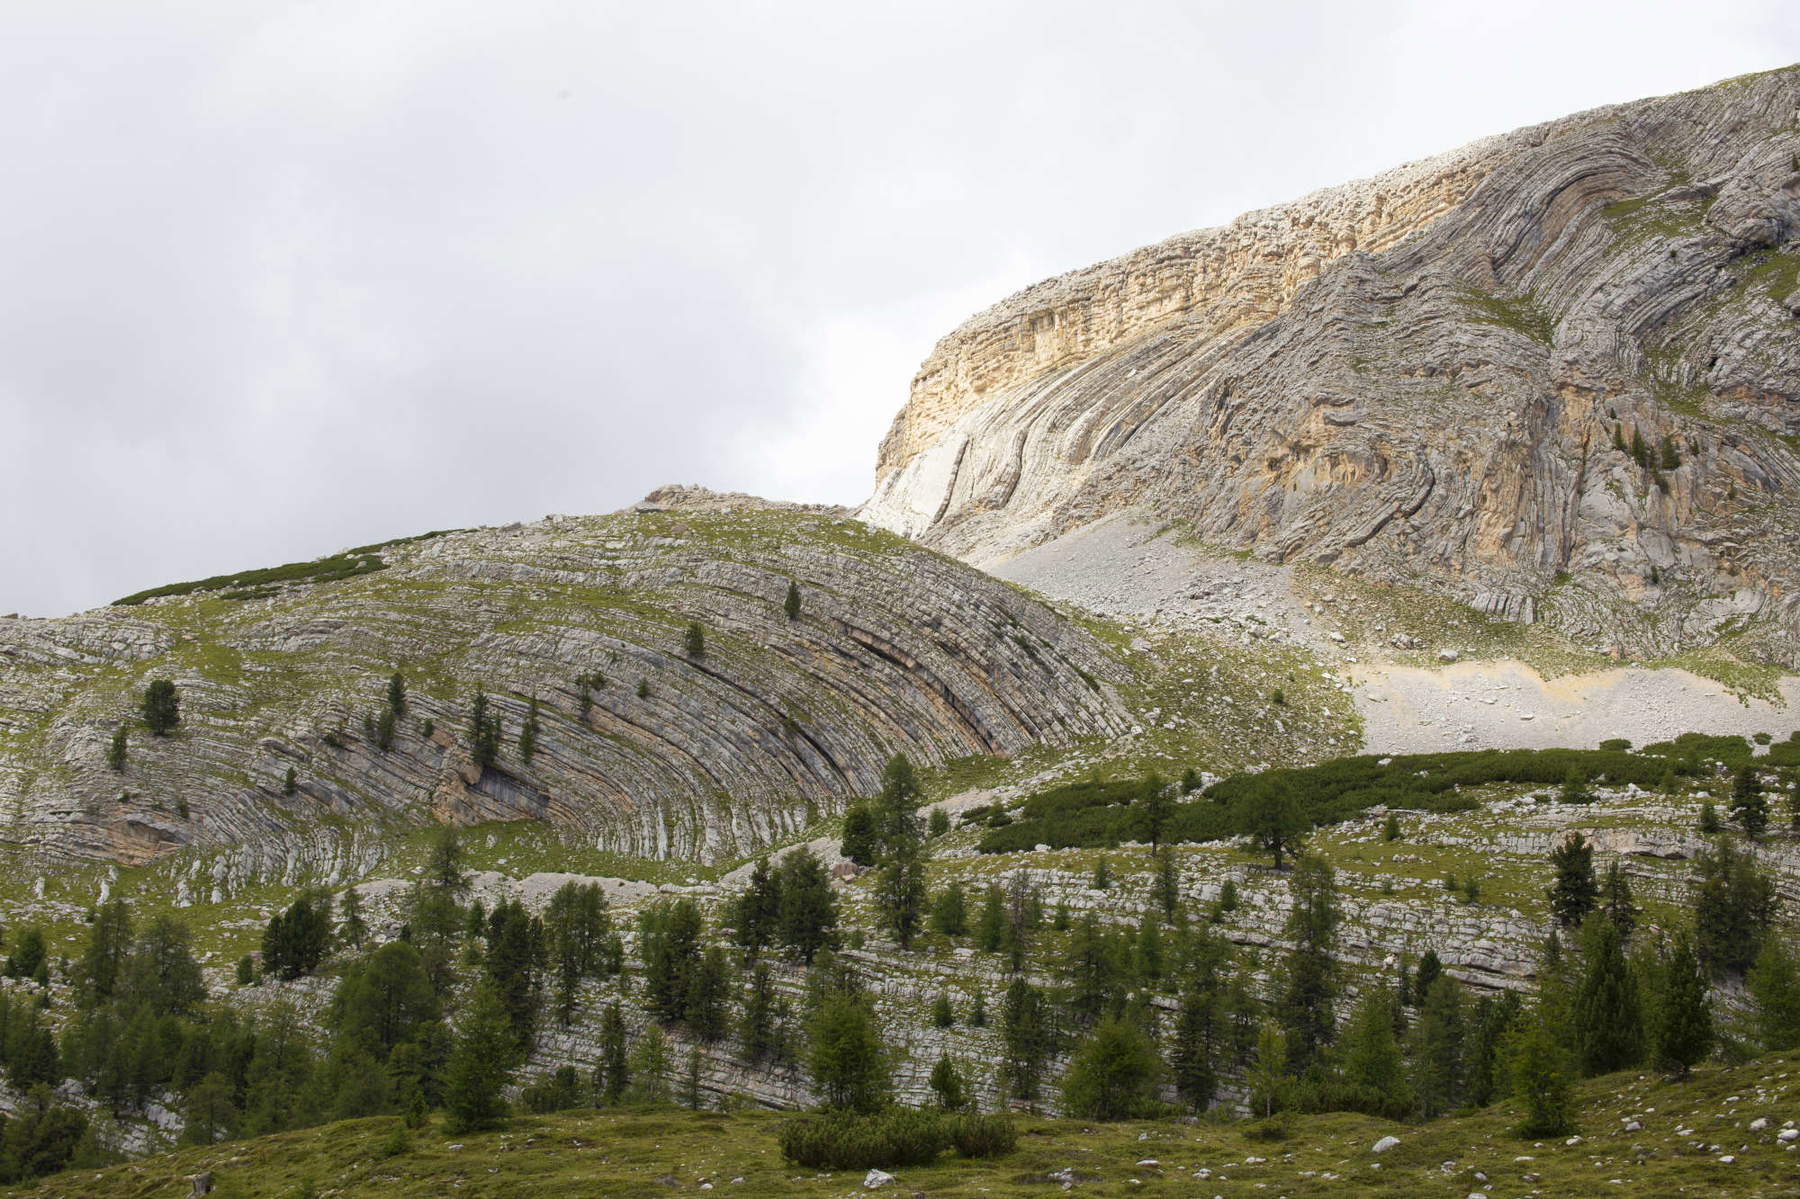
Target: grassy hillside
(1686,1130)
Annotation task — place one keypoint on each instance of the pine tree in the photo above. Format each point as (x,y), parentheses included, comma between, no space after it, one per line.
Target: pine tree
(1608,1016)
(809,912)
(862,838)
(756,1028)
(614,1068)
(1617,902)
(1309,984)
(1709,818)
(528,733)
(947,1085)
(848,1064)
(1113,1074)
(1540,1076)
(1430,967)
(756,915)
(706,1012)
(396,694)
(691,1097)
(290,782)
(1390,828)
(1734,906)
(1156,805)
(1276,821)
(1190,781)
(990,933)
(1640,450)
(1369,1060)
(1168,884)
(384,730)
(693,642)
(943,1015)
(649,1068)
(1438,1047)
(1199,1033)
(1749,807)
(950,914)
(484,731)
(1575,788)
(1683,1033)
(480,1066)
(1026,1039)
(1774,983)
(939,822)
(115,753)
(103,961)
(791,605)
(1267,1079)
(900,892)
(162,707)
(1574,892)
(1102,880)
(353,930)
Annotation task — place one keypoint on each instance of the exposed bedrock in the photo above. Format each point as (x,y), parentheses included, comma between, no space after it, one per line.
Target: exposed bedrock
(671,753)
(1553,374)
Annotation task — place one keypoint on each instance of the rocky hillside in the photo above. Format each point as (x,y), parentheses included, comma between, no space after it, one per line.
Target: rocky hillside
(1552,374)
(642,746)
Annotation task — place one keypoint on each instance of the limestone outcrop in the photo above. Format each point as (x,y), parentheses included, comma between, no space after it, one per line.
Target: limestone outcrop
(643,746)
(1553,375)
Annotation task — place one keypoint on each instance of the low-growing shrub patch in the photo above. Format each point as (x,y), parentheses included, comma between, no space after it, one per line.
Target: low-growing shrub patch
(896,1137)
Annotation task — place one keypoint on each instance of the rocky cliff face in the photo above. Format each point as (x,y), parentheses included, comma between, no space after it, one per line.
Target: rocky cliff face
(643,746)
(1554,374)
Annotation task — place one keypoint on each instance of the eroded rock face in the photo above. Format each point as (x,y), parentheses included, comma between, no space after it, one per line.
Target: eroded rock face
(777,721)
(1435,376)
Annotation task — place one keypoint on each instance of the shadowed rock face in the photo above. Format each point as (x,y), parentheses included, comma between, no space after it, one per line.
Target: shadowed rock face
(1426,377)
(896,648)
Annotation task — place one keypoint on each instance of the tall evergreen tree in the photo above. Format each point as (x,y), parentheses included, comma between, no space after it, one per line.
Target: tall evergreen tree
(1573,891)
(481,1064)
(756,913)
(1540,1075)
(1608,1011)
(529,732)
(1734,906)
(947,1085)
(615,1067)
(1309,983)
(484,731)
(1683,1033)
(162,707)
(990,930)
(1168,884)
(1027,1038)
(396,693)
(1617,903)
(756,1029)
(103,961)
(1156,803)
(900,891)
(1276,820)
(1113,1074)
(1749,806)
(1774,983)
(693,642)
(115,753)
(791,605)
(848,1063)
(809,911)
(1369,1061)
(1438,1044)
(950,911)
(515,941)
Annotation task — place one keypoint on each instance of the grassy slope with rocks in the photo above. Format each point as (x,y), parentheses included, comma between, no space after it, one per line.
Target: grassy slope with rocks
(626,1155)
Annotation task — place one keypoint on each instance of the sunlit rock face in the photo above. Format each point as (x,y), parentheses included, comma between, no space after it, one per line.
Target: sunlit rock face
(1439,376)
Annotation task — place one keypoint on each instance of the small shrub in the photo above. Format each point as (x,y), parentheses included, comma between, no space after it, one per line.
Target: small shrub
(975,1135)
(396,1143)
(1278,1127)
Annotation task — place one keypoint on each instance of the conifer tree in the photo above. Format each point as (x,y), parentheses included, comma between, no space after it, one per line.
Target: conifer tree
(756,1027)
(384,730)
(1540,1075)
(1775,985)
(1575,788)
(1113,1074)
(791,605)
(1168,884)
(1573,893)
(290,782)
(1308,987)
(1102,880)
(1683,1033)
(615,1067)
(809,912)
(1608,1011)
(1156,805)
(353,929)
(848,1064)
(1616,901)
(947,1085)
(938,823)
(1430,967)
(950,912)
(1734,906)
(1709,818)
(162,707)
(900,891)
(1749,807)
(1199,1033)
(528,733)
(1267,1080)
(115,753)
(1369,1060)
(693,642)
(396,694)
(1438,1042)
(756,914)
(1275,820)
(484,731)
(480,1065)
(1026,1039)
(990,933)
(862,839)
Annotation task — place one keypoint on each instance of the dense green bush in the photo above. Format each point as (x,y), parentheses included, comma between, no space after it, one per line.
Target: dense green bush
(845,1141)
(976,1135)
(1094,814)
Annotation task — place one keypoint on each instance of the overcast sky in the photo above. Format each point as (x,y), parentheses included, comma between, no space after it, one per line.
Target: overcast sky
(280,279)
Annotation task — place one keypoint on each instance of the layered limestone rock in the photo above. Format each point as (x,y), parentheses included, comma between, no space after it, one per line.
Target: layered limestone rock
(1553,375)
(642,746)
